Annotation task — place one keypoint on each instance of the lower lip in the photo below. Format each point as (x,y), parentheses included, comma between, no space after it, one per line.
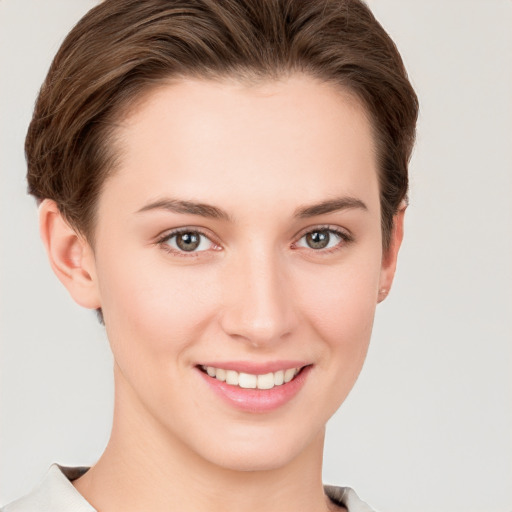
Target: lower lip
(257,400)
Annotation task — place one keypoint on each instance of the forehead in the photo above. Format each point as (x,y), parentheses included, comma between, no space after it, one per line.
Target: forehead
(210,138)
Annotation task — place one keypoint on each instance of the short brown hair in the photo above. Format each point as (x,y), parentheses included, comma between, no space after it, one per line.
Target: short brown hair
(121,48)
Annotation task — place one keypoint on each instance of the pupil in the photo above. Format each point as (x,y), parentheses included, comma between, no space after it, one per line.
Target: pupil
(317,239)
(188,241)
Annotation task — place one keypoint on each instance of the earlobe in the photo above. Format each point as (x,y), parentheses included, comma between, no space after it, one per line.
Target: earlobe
(70,255)
(390,256)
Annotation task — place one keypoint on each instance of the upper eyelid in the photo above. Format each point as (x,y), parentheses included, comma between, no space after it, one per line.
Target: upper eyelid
(169,233)
(345,236)
(326,227)
(163,240)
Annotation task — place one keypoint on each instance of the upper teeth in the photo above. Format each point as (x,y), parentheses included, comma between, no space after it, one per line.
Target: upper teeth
(248,380)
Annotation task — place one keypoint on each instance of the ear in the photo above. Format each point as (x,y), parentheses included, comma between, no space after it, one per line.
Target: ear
(390,256)
(71,257)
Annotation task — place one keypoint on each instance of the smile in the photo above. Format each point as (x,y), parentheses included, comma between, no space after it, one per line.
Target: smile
(255,388)
(249,380)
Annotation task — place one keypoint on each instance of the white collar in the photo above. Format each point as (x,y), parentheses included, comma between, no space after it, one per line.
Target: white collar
(54,494)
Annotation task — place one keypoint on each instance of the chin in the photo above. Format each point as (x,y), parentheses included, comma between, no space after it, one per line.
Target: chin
(267,452)
(247,460)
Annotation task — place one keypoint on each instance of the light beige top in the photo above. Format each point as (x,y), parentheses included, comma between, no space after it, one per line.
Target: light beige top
(56,493)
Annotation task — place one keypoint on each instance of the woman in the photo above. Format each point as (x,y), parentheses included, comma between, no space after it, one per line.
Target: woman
(225,184)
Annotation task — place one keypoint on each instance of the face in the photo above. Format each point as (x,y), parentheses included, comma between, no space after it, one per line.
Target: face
(239,241)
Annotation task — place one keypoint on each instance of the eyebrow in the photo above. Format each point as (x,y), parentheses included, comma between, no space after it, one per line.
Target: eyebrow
(330,206)
(213,212)
(190,207)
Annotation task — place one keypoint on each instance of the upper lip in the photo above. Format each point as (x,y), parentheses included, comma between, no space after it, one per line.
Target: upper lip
(254,367)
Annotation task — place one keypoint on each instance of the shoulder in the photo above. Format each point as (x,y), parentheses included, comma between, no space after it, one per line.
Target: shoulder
(346,497)
(54,494)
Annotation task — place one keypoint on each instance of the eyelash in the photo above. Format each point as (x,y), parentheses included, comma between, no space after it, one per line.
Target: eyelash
(345,238)
(163,240)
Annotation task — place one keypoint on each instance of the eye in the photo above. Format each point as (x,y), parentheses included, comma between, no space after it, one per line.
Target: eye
(186,241)
(324,238)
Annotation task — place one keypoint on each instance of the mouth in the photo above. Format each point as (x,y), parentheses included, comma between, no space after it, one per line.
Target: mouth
(252,381)
(255,388)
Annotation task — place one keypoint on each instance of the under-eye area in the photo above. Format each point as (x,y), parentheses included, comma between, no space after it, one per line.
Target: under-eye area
(252,381)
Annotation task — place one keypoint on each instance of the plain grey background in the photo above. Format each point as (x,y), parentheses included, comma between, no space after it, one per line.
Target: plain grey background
(428,426)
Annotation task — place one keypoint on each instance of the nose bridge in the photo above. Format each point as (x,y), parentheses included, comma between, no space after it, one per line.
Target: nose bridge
(259,305)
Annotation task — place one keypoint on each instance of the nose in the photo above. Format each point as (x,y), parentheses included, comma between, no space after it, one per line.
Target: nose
(258,305)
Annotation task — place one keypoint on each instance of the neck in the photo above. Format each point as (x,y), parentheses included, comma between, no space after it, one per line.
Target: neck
(145,468)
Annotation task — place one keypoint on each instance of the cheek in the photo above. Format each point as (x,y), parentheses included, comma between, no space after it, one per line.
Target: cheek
(151,308)
(340,307)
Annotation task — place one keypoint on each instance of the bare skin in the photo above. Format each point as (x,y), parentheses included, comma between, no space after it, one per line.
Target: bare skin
(279,165)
